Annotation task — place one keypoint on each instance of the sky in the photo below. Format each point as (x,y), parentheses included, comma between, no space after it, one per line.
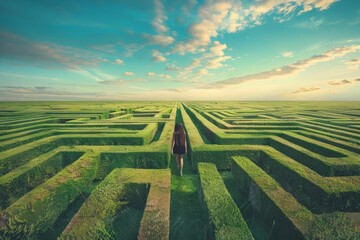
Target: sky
(180,50)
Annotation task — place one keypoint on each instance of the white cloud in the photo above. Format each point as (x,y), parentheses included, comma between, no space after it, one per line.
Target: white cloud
(287,54)
(194,64)
(47,55)
(160,18)
(217,49)
(303,89)
(216,62)
(188,70)
(353,63)
(202,72)
(342,82)
(241,17)
(212,59)
(161,75)
(211,15)
(233,16)
(216,55)
(172,67)
(159,25)
(234,23)
(162,40)
(166,76)
(320,4)
(157,56)
(289,69)
(119,61)
(128,74)
(332,83)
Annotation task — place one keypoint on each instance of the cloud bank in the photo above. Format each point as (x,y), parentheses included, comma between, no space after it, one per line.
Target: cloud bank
(47,55)
(287,70)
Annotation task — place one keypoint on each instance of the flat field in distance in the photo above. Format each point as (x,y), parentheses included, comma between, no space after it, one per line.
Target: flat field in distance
(254,170)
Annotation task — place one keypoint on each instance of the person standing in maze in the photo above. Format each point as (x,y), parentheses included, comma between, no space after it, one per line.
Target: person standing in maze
(179,146)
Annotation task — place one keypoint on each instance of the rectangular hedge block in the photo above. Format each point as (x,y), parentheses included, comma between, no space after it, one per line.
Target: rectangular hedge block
(280,208)
(226,219)
(28,176)
(38,210)
(94,219)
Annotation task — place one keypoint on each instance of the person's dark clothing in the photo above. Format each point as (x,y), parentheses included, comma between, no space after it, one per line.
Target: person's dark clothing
(178,149)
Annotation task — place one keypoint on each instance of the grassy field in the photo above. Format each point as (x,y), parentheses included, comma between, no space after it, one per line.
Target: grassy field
(254,170)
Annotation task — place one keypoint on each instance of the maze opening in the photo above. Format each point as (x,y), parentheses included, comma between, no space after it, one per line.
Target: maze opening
(253,170)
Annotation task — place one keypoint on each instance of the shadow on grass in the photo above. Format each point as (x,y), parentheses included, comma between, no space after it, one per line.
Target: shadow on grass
(260,229)
(127,222)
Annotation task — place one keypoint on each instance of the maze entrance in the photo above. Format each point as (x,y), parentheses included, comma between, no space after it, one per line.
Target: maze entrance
(254,170)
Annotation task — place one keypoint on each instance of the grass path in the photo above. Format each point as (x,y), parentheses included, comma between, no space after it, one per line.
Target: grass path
(187,220)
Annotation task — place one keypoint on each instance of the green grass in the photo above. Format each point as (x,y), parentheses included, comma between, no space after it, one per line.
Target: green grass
(187,220)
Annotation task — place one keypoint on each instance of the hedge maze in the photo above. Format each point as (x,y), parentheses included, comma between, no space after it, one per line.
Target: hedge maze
(54,155)
(103,170)
(298,164)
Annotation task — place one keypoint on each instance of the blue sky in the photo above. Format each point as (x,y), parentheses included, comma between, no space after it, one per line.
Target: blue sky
(180,50)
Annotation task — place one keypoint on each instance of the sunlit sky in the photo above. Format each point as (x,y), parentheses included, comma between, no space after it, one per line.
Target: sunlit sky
(180,50)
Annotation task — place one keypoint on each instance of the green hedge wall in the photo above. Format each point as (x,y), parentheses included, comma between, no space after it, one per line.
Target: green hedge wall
(139,159)
(25,178)
(37,211)
(225,217)
(279,208)
(93,220)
